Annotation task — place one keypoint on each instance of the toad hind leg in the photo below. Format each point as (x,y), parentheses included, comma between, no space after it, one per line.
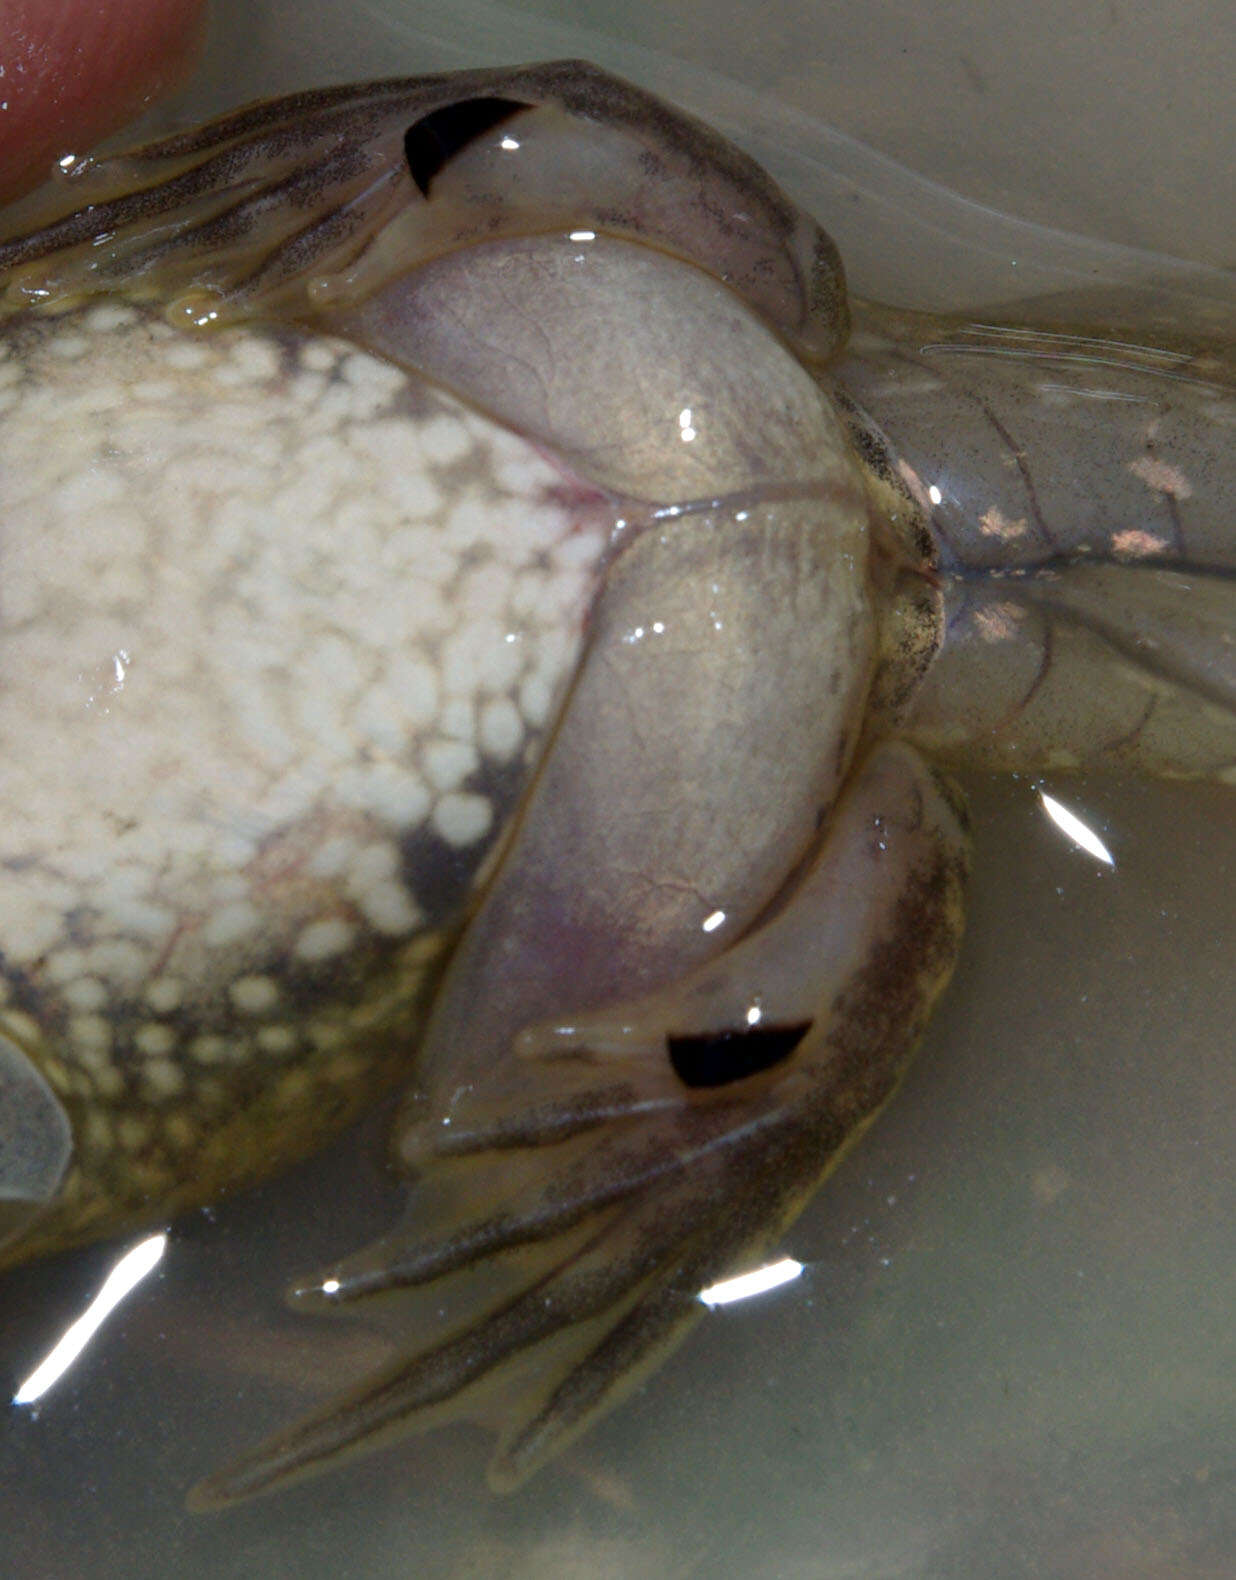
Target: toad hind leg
(662,1145)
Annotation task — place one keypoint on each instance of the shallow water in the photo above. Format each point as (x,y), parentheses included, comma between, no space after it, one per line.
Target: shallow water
(1011,1353)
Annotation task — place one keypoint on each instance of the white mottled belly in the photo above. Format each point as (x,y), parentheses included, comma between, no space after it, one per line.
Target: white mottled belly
(280,630)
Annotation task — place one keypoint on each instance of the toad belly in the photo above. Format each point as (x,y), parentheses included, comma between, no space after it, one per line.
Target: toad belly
(282,627)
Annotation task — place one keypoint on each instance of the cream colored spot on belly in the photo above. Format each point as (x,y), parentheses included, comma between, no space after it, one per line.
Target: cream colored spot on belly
(108,316)
(445,440)
(91,1036)
(448,763)
(154,1039)
(462,819)
(389,908)
(162,1078)
(321,940)
(164,994)
(85,994)
(276,1039)
(501,729)
(187,354)
(534,701)
(98,1130)
(70,347)
(211,1049)
(255,995)
(132,1132)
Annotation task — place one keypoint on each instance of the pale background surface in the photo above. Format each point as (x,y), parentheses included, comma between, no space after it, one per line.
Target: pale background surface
(1013,1354)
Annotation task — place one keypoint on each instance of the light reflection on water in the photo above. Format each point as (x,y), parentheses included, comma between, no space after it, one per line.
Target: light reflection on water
(134,1265)
(1010,1354)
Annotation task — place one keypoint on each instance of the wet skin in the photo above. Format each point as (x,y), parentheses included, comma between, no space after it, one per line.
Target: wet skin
(467,564)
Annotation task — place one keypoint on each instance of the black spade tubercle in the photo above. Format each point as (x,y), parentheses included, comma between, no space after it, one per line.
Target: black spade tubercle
(432,142)
(717,1058)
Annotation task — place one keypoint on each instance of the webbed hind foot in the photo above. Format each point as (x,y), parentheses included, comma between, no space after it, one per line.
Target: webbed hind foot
(624,1162)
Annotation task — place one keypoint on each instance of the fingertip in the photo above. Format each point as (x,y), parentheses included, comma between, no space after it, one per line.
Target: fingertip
(71,71)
